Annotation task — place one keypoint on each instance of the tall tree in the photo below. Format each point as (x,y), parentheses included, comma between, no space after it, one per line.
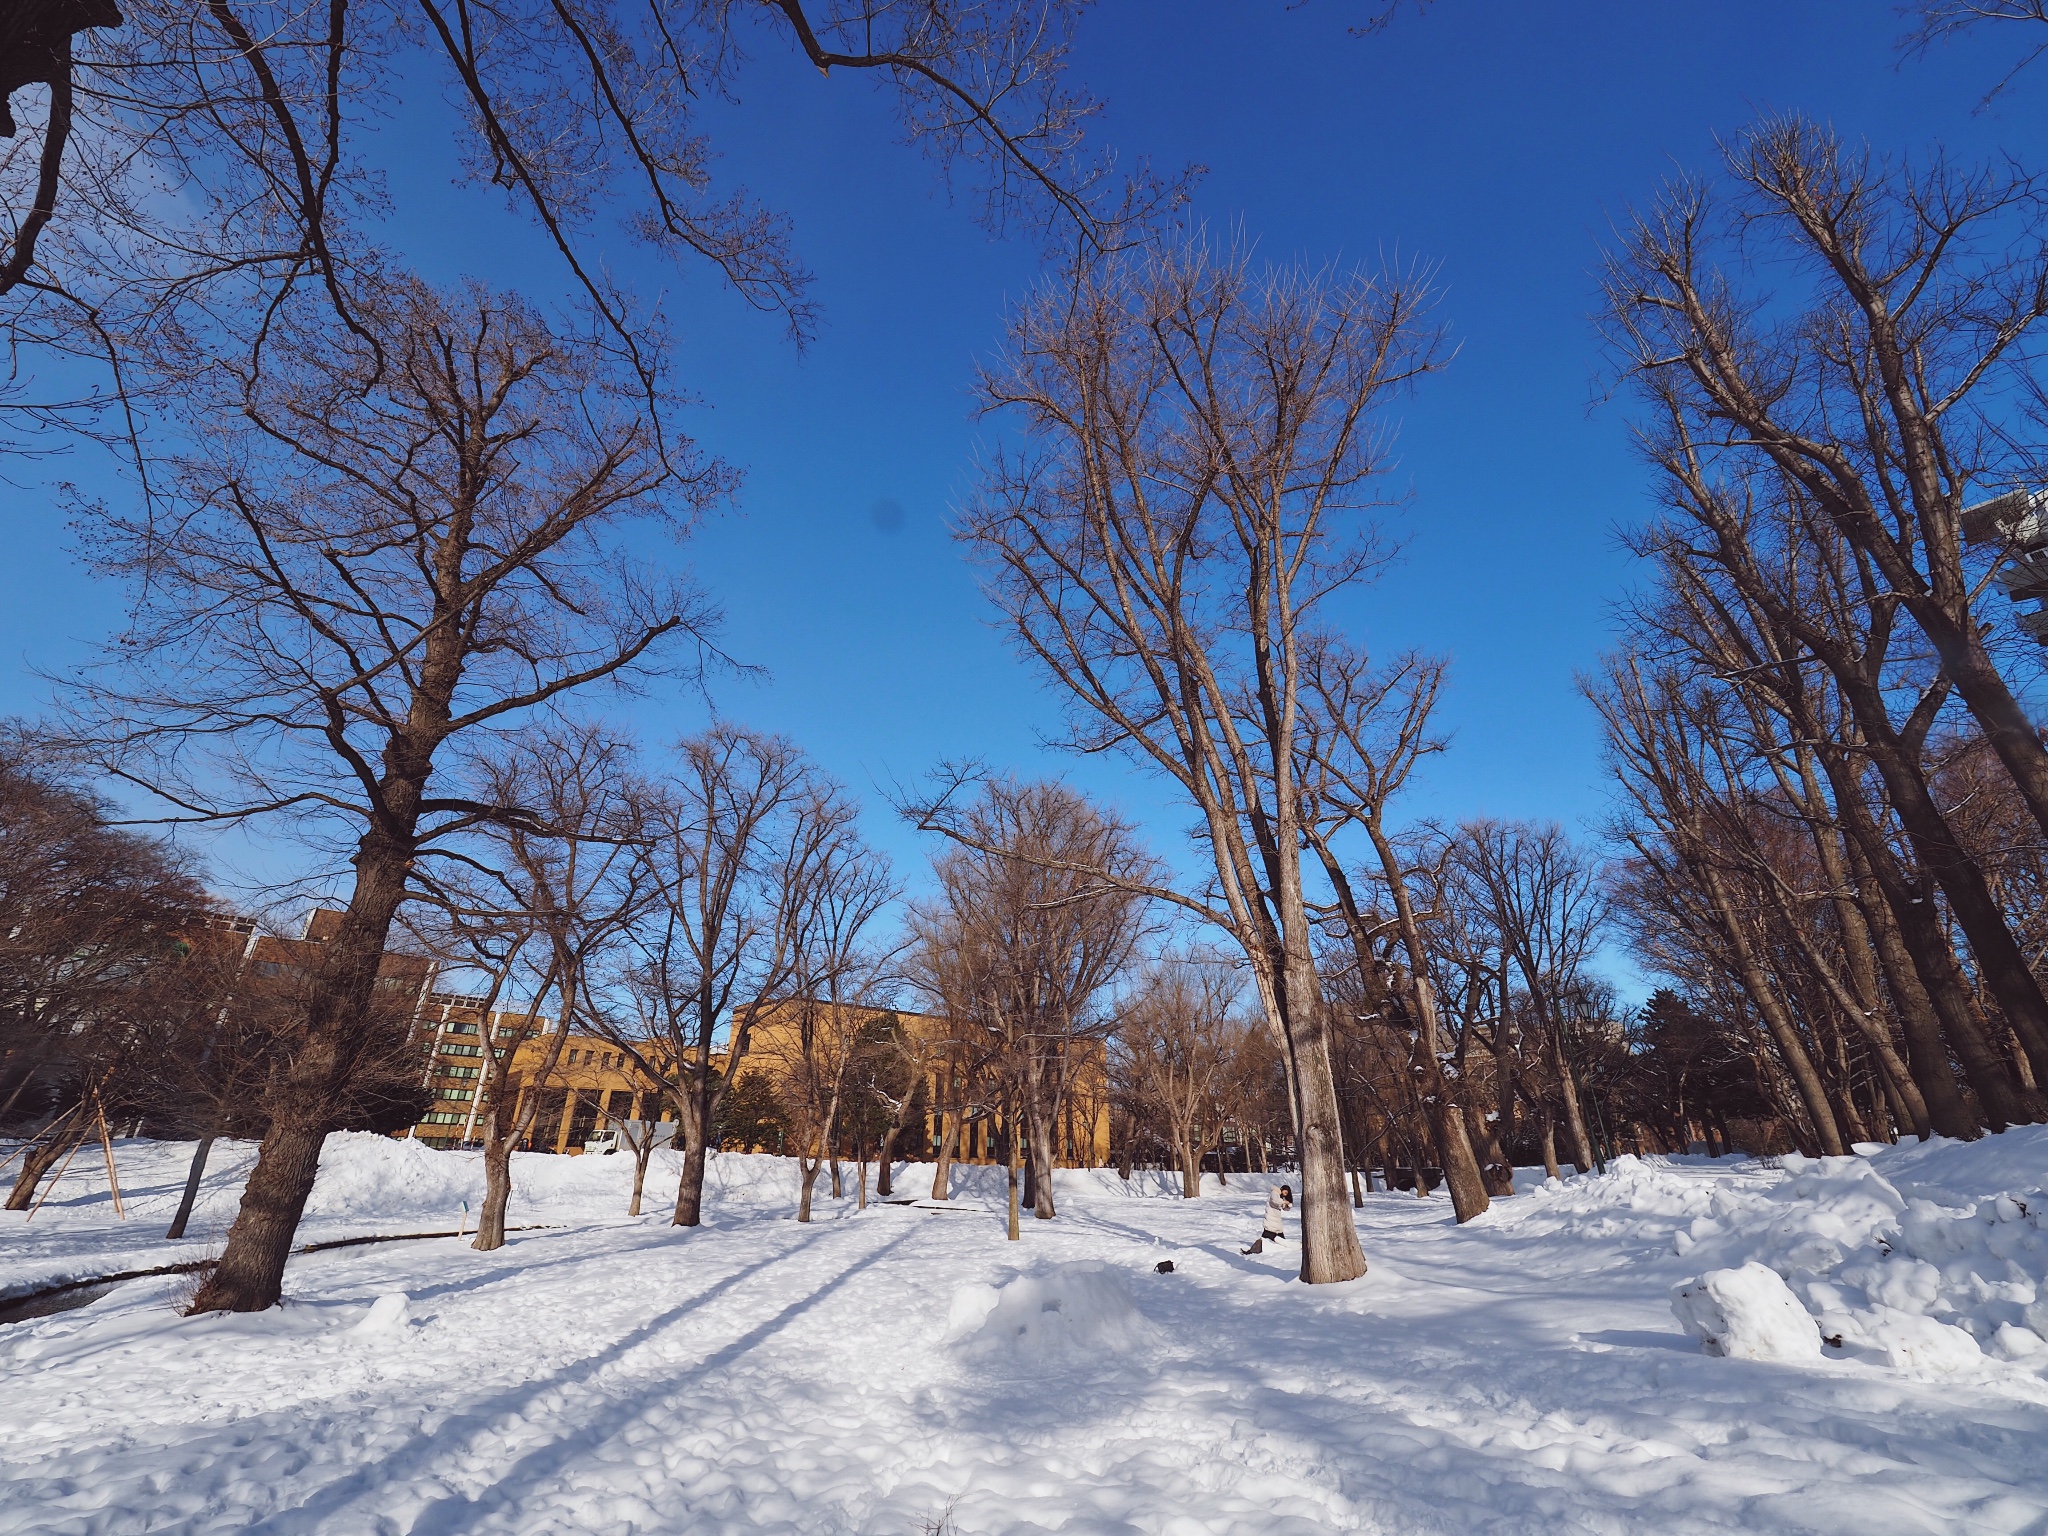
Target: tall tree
(565,870)
(381,556)
(1364,730)
(1200,447)
(742,839)
(1177,1044)
(1034,921)
(1542,895)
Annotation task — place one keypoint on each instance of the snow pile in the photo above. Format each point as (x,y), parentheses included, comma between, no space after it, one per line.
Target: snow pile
(1911,1281)
(1635,1199)
(387,1314)
(1074,1312)
(1746,1314)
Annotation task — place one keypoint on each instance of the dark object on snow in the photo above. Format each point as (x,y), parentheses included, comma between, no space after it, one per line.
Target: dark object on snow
(35,44)
(1258,1246)
(1163,1267)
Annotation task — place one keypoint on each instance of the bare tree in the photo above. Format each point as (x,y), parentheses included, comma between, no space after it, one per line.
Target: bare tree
(739,838)
(564,870)
(376,563)
(1176,1041)
(199,173)
(1200,449)
(94,925)
(828,1023)
(1363,731)
(1542,896)
(1868,406)
(1034,920)
(1940,21)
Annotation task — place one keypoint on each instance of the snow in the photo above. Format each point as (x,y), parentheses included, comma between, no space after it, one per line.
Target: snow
(1072,1312)
(1746,1314)
(893,1369)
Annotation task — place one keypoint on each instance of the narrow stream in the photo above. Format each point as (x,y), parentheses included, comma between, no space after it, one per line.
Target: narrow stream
(24,1308)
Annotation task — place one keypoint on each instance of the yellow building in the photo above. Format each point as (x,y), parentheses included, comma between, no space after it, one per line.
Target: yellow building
(593,1083)
(954,1081)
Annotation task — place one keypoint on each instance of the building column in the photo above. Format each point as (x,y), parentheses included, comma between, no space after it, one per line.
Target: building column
(568,1119)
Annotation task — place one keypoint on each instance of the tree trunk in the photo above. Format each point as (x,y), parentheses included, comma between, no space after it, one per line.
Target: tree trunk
(1014,1148)
(694,1116)
(1792,1053)
(1497,1171)
(884,1185)
(808,1177)
(250,1275)
(1446,1123)
(191,1196)
(690,1191)
(39,1160)
(1329,1237)
(1568,1093)
(1941,854)
(1550,1167)
(643,1154)
(1038,1128)
(949,1136)
(1190,1169)
(490,1219)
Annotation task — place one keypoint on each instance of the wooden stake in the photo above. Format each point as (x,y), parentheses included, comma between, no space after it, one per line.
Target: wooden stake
(113,1179)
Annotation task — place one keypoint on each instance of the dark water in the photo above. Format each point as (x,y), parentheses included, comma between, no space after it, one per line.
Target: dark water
(23,1308)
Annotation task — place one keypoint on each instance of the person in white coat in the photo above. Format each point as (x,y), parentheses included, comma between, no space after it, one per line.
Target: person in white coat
(1278,1204)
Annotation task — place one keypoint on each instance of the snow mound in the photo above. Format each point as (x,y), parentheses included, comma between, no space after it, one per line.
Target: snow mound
(1074,1312)
(387,1314)
(1746,1314)
(1919,1285)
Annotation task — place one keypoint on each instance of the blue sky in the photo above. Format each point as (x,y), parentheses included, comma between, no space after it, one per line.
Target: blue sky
(1494,139)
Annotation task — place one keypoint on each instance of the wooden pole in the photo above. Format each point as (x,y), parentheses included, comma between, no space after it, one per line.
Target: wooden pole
(113,1179)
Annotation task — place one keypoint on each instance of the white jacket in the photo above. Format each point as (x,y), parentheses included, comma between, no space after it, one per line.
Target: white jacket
(1276,1213)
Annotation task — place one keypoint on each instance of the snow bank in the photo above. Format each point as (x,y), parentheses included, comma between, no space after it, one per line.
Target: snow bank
(1930,1259)
(1921,1284)
(1073,1313)
(1746,1314)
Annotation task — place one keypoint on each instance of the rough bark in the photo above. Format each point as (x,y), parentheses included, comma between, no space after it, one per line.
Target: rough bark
(697,1105)
(39,1160)
(1038,1127)
(339,1007)
(490,1217)
(807,1179)
(1568,1095)
(1495,1168)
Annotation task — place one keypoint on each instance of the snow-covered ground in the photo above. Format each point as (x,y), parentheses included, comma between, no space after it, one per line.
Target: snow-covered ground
(904,1370)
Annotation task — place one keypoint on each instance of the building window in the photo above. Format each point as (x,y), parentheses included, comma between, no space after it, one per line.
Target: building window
(456,1048)
(461,1029)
